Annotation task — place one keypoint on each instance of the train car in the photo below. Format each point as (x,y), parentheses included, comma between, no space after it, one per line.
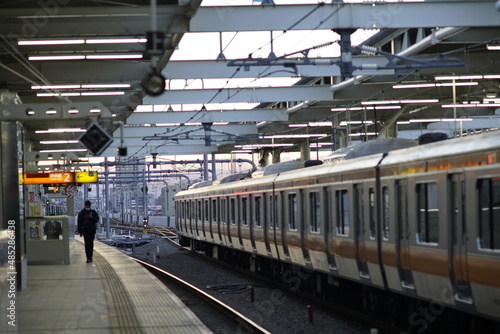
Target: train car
(422,222)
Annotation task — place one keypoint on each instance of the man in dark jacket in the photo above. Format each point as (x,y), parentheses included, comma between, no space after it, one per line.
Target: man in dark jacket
(87,227)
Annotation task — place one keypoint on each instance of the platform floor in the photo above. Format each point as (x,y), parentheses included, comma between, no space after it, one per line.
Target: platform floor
(113,294)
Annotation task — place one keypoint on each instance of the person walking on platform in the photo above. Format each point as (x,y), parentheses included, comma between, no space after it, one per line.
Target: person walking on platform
(87,227)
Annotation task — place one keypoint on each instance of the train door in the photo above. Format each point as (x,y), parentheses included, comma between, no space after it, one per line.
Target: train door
(359,241)
(403,236)
(269,221)
(458,245)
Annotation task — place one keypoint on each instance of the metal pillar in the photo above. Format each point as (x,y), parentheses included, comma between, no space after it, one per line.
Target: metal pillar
(106,195)
(9,212)
(305,150)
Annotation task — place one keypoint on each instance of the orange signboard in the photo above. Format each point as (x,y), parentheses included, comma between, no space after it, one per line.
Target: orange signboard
(48,178)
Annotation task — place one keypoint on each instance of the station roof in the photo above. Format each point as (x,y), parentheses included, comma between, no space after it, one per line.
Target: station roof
(417,67)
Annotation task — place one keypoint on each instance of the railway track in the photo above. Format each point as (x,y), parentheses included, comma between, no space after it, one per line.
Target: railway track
(315,302)
(218,316)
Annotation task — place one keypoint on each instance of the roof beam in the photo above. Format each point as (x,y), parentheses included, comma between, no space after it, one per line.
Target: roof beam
(218,69)
(161,147)
(339,15)
(250,95)
(92,21)
(232,116)
(146,131)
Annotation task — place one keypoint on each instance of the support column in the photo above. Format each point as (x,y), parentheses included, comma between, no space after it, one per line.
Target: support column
(276,156)
(305,150)
(10,205)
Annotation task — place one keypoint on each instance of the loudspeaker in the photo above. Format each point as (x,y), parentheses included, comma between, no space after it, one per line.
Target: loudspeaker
(96,140)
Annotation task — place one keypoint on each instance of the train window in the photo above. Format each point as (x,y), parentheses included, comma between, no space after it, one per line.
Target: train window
(342,199)
(214,210)
(327,207)
(293,211)
(198,210)
(489,213)
(373,221)
(206,216)
(258,210)
(272,211)
(428,213)
(222,210)
(314,211)
(243,211)
(183,207)
(385,213)
(232,211)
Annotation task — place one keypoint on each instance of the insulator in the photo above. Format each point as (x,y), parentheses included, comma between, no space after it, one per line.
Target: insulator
(322,62)
(323,45)
(368,50)
(369,67)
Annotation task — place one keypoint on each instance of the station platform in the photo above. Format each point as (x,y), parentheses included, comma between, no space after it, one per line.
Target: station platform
(113,294)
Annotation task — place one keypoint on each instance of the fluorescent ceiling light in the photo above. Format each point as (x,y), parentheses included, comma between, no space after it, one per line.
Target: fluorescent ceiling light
(459,77)
(444,84)
(64,150)
(61,130)
(51,42)
(366,108)
(316,145)
(305,135)
(320,124)
(102,93)
(83,41)
(89,86)
(253,146)
(363,134)
(54,142)
(89,57)
(56,87)
(116,41)
(493,47)
(56,57)
(400,101)
(82,94)
(433,120)
(127,56)
(344,123)
(86,86)
(470,105)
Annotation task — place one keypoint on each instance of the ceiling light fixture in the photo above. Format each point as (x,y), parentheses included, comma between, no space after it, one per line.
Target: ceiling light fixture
(429,85)
(305,135)
(459,77)
(51,42)
(400,101)
(64,150)
(36,58)
(88,57)
(61,130)
(55,142)
(83,41)
(86,86)
(81,94)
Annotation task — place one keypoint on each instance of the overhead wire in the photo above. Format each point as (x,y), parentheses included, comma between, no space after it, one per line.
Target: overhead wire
(259,76)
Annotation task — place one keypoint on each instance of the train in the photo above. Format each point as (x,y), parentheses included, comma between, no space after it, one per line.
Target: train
(420,221)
